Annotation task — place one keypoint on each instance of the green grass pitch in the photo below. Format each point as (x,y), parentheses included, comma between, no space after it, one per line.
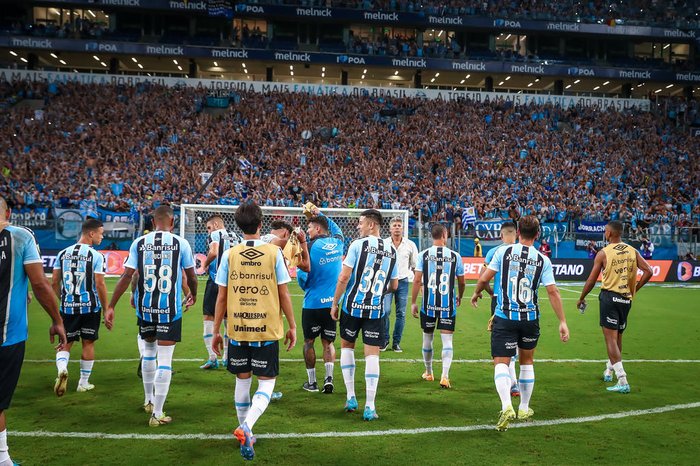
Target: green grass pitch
(664,325)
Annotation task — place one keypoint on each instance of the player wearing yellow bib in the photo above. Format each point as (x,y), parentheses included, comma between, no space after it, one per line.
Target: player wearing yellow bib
(619,263)
(253,294)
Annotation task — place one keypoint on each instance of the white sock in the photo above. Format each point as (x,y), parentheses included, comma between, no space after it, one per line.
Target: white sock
(141,343)
(608,367)
(329,369)
(261,399)
(148,369)
(311,373)
(371,379)
(502,380)
(347,365)
(527,385)
(163,377)
(446,354)
(85,371)
(62,358)
(4,450)
(511,372)
(242,398)
(208,335)
(226,340)
(428,351)
(620,373)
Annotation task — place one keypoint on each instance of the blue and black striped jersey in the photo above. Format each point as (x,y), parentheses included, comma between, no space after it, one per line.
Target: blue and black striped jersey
(78,265)
(440,267)
(373,263)
(522,270)
(159,258)
(225,241)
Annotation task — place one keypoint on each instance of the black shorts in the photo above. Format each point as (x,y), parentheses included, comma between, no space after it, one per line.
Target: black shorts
(262,361)
(507,335)
(614,309)
(11,358)
(211,291)
(315,322)
(85,326)
(372,329)
(169,331)
(494,303)
(428,324)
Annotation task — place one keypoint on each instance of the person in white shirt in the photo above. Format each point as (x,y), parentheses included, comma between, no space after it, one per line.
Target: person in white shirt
(407,254)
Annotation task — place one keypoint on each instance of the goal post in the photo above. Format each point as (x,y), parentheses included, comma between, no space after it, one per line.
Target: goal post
(193,218)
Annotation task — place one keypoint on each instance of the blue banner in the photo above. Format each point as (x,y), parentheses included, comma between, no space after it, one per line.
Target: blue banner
(413,63)
(553,231)
(488,230)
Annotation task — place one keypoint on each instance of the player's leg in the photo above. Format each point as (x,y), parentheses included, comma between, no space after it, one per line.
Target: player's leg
(72,325)
(327,338)
(311,330)
(400,320)
(208,307)
(504,340)
(140,344)
(372,338)
(147,330)
(89,333)
(87,360)
(529,334)
(427,324)
(11,358)
(241,368)
(446,336)
(162,380)
(349,326)
(514,388)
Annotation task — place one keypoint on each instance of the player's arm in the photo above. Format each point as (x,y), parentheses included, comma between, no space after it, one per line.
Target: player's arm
(279,242)
(46,297)
(647,273)
(56,278)
(598,264)
(393,285)
(211,255)
(119,289)
(333,228)
(415,289)
(555,301)
(305,261)
(290,339)
(487,288)
(481,284)
(340,288)
(102,294)
(219,313)
(134,282)
(460,289)
(191,277)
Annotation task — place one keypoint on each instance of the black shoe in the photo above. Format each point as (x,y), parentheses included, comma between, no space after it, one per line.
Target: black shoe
(396,348)
(384,348)
(328,385)
(139,369)
(310,387)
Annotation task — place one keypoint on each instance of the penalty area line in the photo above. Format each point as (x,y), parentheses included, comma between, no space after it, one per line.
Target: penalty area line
(365,433)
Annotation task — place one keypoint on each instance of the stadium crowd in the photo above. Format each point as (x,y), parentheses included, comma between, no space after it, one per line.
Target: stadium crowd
(133,148)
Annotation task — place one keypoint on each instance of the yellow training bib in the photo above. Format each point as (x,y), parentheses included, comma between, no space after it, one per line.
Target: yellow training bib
(620,272)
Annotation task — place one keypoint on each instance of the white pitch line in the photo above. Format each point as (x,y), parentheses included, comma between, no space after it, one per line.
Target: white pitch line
(575,291)
(408,360)
(365,433)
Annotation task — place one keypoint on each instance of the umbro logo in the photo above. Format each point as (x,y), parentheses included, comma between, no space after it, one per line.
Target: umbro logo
(329,247)
(252,254)
(620,247)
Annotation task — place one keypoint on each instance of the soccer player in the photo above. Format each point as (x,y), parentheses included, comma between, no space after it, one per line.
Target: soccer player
(253,294)
(20,264)
(220,241)
(79,282)
(368,273)
(619,263)
(516,323)
(160,256)
(280,232)
(326,243)
(437,269)
(406,256)
(508,235)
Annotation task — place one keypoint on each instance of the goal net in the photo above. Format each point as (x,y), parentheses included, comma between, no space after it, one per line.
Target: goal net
(193,219)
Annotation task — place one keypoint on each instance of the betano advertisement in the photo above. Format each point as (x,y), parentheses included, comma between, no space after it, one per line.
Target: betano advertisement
(564,269)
